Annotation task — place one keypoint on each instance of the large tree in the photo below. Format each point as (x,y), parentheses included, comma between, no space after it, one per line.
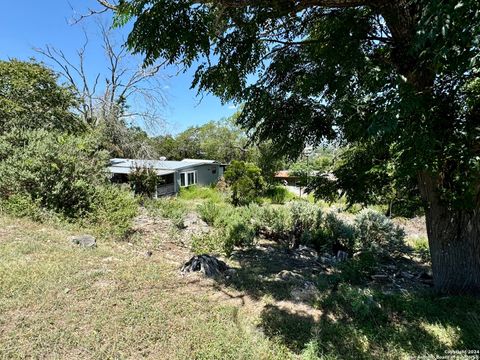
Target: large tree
(31,98)
(395,79)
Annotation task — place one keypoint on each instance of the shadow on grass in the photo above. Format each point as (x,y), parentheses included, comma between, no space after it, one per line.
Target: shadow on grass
(273,270)
(358,320)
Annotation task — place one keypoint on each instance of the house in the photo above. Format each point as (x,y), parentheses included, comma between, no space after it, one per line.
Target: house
(173,174)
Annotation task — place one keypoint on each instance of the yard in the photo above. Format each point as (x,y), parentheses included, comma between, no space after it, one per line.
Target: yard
(128,299)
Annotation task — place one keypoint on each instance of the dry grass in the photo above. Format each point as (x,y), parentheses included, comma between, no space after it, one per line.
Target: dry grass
(58,301)
(61,301)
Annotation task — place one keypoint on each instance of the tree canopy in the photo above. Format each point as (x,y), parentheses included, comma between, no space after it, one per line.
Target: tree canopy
(396,80)
(30,98)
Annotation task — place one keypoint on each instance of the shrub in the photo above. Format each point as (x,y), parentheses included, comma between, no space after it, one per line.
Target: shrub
(201,192)
(337,234)
(275,220)
(169,208)
(305,216)
(279,194)
(376,232)
(22,205)
(359,268)
(210,211)
(144,181)
(209,243)
(246,182)
(58,171)
(113,211)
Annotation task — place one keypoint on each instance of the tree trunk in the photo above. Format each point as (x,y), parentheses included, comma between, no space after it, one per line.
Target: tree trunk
(454,239)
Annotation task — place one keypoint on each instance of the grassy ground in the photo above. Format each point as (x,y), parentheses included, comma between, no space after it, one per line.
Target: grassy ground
(61,301)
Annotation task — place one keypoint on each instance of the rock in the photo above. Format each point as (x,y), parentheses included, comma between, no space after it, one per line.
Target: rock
(305,253)
(380,277)
(84,241)
(306,292)
(390,267)
(286,275)
(407,275)
(148,253)
(208,265)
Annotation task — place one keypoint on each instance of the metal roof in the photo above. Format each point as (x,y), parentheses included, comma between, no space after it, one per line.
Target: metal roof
(197,161)
(126,166)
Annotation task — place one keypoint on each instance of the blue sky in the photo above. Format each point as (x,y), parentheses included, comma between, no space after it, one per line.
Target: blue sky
(25,24)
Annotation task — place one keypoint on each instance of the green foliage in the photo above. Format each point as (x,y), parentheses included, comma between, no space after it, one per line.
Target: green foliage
(376,232)
(144,181)
(201,193)
(22,205)
(58,171)
(279,194)
(277,219)
(337,233)
(170,208)
(305,216)
(210,211)
(212,242)
(234,226)
(358,269)
(32,99)
(420,247)
(217,140)
(246,182)
(113,211)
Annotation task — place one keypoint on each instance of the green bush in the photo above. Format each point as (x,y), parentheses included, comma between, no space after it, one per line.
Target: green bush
(170,208)
(144,181)
(58,171)
(359,268)
(234,226)
(305,216)
(210,211)
(210,243)
(337,233)
(113,211)
(376,232)
(276,220)
(22,205)
(245,181)
(279,194)
(201,193)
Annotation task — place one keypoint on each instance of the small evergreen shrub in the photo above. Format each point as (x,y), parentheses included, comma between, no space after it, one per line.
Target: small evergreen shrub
(376,232)
(144,181)
(210,243)
(169,208)
(277,220)
(113,211)
(22,205)
(279,194)
(305,216)
(210,211)
(337,234)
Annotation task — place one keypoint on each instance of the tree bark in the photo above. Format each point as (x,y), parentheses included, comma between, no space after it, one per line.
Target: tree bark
(454,239)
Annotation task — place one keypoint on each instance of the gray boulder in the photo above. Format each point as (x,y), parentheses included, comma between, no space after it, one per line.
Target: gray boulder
(87,241)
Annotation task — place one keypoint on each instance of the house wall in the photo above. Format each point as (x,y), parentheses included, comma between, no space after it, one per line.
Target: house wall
(205,176)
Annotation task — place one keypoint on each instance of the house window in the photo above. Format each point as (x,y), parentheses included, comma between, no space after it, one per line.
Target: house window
(188,178)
